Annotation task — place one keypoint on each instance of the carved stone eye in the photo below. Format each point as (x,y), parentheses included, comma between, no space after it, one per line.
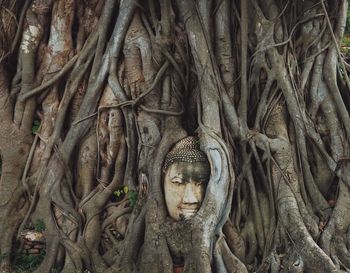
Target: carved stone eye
(178,181)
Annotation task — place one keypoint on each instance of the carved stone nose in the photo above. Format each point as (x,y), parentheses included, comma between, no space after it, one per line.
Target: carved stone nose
(189,195)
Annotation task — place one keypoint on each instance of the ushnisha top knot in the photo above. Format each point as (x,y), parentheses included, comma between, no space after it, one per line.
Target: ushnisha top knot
(186,150)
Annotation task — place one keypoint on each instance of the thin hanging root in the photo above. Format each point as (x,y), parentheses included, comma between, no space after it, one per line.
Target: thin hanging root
(31,40)
(342,251)
(229,261)
(257,215)
(86,167)
(28,163)
(293,107)
(90,100)
(338,225)
(316,98)
(119,211)
(50,82)
(234,241)
(109,133)
(293,223)
(186,51)
(343,8)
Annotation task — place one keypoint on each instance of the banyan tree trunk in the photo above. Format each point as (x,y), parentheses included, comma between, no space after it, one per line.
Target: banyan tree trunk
(94,94)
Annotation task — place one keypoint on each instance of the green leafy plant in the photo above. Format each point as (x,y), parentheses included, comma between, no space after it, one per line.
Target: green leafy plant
(36,126)
(346,41)
(120,192)
(124,190)
(27,262)
(345,45)
(132,197)
(39,225)
(3,256)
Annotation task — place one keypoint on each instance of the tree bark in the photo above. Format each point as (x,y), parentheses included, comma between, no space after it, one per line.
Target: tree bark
(94,94)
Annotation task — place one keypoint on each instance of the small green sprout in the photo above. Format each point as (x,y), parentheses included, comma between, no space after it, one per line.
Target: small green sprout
(124,190)
(36,126)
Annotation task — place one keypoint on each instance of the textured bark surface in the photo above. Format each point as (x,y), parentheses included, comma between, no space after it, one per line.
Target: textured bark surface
(94,94)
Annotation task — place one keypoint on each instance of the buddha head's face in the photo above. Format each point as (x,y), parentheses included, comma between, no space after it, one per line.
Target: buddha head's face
(184,188)
(186,175)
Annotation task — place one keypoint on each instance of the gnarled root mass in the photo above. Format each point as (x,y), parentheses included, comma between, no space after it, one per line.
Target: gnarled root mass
(93,95)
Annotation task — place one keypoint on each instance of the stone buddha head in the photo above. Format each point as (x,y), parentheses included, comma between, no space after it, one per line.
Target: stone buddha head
(186,173)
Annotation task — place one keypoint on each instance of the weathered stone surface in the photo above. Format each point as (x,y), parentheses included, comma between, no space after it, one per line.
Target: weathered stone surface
(33,236)
(33,251)
(39,246)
